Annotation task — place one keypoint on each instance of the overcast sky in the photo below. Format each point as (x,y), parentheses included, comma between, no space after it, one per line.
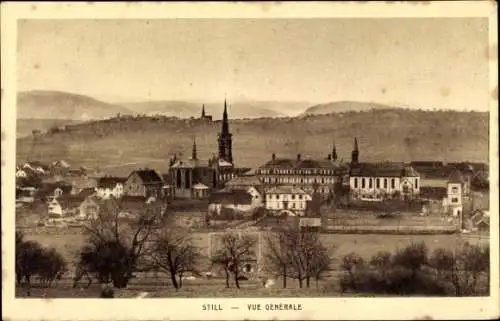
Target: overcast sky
(439,62)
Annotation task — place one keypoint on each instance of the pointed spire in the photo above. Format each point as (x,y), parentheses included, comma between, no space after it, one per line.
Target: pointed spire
(355,152)
(225,124)
(334,153)
(193,156)
(203,111)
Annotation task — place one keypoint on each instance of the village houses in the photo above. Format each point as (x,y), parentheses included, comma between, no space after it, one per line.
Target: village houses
(108,186)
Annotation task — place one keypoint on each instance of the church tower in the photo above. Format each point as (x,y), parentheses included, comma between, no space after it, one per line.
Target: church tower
(194,154)
(355,153)
(203,111)
(225,138)
(334,153)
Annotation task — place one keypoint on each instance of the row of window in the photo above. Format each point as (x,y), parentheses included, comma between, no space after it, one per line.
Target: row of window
(277,196)
(378,182)
(298,171)
(302,180)
(285,206)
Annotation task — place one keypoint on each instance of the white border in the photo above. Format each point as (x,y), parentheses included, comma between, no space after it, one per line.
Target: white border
(182,309)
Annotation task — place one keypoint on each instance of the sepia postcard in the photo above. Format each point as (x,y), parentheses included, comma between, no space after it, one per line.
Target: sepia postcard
(250,160)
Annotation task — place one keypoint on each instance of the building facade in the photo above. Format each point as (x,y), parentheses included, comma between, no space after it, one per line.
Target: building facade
(381,181)
(306,174)
(287,199)
(144,183)
(108,186)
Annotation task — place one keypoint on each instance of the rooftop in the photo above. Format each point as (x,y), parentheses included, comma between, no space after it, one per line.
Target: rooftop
(286,190)
(237,196)
(300,163)
(110,181)
(387,169)
(148,176)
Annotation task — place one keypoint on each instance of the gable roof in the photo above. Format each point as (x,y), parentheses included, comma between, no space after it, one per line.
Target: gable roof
(244,181)
(456,177)
(387,169)
(87,192)
(241,197)
(110,181)
(148,176)
(286,190)
(190,163)
(70,201)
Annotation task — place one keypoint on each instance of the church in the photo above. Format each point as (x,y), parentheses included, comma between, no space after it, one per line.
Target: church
(196,178)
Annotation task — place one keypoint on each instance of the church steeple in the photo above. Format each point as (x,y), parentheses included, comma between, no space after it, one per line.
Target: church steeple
(194,156)
(334,153)
(355,152)
(203,111)
(225,138)
(225,123)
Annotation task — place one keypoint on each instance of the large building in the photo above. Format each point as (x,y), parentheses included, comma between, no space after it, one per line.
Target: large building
(195,177)
(381,181)
(307,174)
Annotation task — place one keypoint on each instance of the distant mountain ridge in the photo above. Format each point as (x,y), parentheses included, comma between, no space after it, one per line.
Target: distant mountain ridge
(343,106)
(40,104)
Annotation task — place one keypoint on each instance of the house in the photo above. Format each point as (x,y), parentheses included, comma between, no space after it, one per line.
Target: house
(379,181)
(89,208)
(59,167)
(57,189)
(287,199)
(257,199)
(458,189)
(200,191)
(110,186)
(237,200)
(82,183)
(145,183)
(36,168)
(65,206)
(21,173)
(26,194)
(168,187)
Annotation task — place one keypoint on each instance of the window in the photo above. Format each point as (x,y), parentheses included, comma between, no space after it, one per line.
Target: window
(293,205)
(370,183)
(355,182)
(416,182)
(393,183)
(385,182)
(363,182)
(378,183)
(454,189)
(454,200)
(300,197)
(293,197)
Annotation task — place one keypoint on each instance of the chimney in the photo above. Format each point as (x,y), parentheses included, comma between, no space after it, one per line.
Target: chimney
(329,156)
(274,157)
(298,157)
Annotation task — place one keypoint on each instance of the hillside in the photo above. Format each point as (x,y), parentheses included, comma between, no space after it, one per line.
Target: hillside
(121,144)
(61,105)
(24,127)
(341,107)
(184,109)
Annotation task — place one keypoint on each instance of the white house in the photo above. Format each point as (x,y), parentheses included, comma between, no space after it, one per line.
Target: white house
(287,199)
(375,182)
(110,186)
(21,173)
(457,193)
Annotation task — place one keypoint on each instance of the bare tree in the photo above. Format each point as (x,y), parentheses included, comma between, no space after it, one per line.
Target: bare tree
(463,268)
(297,254)
(117,245)
(232,252)
(174,253)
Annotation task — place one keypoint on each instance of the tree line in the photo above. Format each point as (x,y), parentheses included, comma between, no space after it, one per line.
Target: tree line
(118,248)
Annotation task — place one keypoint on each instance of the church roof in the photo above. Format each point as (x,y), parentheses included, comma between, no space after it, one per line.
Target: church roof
(286,190)
(388,169)
(190,163)
(148,176)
